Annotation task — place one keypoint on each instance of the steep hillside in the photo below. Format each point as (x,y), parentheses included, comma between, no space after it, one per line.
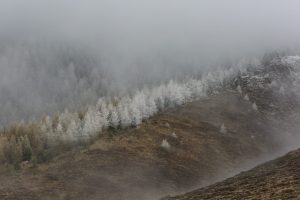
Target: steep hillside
(132,164)
(249,120)
(277,179)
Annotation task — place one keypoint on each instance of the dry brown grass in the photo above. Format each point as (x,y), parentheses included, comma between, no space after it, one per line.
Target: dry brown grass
(131,164)
(277,179)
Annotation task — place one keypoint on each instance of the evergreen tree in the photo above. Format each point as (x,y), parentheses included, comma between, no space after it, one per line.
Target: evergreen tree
(254,106)
(135,115)
(114,120)
(125,120)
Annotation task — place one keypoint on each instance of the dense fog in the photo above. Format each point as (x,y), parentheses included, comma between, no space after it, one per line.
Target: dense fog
(67,53)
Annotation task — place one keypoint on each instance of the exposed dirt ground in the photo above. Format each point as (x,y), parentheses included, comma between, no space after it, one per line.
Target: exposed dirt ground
(132,165)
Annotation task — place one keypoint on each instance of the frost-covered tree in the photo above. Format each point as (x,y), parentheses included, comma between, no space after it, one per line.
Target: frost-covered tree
(59,128)
(100,103)
(58,132)
(64,118)
(135,115)
(151,108)
(88,125)
(139,100)
(92,123)
(158,96)
(114,120)
(177,94)
(210,78)
(46,126)
(173,96)
(131,111)
(186,93)
(282,90)
(254,106)
(73,132)
(124,117)
(223,129)
(196,88)
(103,114)
(239,89)
(246,97)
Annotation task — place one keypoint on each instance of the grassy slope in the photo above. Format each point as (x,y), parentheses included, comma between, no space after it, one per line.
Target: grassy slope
(130,164)
(278,179)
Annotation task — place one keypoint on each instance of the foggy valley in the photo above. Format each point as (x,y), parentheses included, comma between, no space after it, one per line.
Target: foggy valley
(139,99)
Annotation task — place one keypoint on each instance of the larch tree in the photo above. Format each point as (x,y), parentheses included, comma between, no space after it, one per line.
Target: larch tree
(125,120)
(114,120)
(135,115)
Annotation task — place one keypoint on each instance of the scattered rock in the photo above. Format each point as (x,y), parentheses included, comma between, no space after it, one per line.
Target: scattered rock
(165,144)
(167,125)
(174,135)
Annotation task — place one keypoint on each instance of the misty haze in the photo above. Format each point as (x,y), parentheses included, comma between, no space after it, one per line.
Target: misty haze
(149,100)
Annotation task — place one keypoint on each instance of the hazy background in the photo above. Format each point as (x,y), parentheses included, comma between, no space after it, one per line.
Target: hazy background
(66,53)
